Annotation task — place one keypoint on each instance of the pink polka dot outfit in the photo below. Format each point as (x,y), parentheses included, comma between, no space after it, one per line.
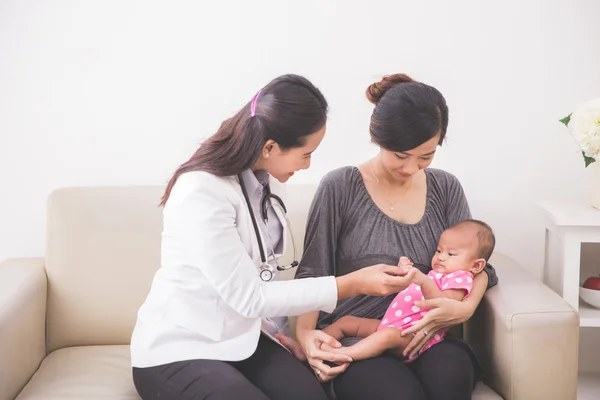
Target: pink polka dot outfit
(403,313)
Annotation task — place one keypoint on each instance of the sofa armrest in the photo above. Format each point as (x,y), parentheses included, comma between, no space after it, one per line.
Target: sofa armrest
(526,337)
(23,287)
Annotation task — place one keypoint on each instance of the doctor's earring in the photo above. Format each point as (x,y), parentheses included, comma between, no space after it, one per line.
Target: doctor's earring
(267,155)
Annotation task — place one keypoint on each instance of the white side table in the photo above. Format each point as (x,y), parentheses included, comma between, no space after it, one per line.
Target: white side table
(567,227)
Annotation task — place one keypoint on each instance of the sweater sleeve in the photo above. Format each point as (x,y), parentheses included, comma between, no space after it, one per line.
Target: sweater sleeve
(324,225)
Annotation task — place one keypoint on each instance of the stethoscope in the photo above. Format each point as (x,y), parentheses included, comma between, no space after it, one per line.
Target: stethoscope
(266,271)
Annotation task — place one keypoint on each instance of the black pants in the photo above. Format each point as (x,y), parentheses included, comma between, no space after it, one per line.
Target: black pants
(271,373)
(443,372)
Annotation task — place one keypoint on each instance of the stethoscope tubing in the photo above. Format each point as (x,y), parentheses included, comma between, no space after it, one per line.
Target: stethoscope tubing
(264,214)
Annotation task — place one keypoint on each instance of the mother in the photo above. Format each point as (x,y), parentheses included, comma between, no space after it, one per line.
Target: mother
(391,206)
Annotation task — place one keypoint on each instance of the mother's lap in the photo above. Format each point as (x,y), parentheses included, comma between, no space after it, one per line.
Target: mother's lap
(445,371)
(384,377)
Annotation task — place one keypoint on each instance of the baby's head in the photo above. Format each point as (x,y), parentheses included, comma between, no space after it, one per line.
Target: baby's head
(465,246)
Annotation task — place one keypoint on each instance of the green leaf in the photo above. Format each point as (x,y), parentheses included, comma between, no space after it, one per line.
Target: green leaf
(566,119)
(587,160)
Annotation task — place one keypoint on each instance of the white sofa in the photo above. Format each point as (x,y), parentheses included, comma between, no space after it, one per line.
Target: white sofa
(66,319)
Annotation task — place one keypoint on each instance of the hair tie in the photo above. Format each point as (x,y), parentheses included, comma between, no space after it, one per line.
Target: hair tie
(253,105)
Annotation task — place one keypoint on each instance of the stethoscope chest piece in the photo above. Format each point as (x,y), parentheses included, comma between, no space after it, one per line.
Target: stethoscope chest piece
(266,272)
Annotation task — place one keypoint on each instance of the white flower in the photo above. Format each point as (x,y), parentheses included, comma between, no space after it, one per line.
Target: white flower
(584,125)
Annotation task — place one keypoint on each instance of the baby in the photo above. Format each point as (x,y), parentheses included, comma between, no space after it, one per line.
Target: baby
(463,250)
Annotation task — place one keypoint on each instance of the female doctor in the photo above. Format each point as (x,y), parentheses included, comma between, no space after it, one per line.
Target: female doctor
(205,330)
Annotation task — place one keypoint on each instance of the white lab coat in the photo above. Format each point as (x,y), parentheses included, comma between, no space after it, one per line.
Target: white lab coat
(207,300)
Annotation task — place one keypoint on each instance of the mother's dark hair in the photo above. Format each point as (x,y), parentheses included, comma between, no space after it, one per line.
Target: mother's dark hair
(407,113)
(288,109)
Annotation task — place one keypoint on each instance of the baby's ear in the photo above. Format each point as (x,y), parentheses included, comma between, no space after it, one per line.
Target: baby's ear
(478,266)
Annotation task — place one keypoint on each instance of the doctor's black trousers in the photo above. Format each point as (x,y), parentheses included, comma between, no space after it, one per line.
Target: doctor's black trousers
(271,373)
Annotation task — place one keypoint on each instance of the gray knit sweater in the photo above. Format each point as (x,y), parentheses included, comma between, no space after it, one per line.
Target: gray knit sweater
(347,231)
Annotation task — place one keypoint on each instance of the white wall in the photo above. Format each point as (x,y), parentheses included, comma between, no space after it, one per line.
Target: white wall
(121,92)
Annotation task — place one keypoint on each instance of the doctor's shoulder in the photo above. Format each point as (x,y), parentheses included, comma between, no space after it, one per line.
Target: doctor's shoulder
(201,182)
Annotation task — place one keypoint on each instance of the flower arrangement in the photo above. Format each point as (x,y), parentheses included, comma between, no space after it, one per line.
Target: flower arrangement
(584,126)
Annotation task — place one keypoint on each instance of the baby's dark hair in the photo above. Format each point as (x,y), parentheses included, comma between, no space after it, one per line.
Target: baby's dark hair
(485,235)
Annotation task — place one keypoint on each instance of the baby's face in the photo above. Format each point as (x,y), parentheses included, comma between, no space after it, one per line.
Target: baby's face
(456,251)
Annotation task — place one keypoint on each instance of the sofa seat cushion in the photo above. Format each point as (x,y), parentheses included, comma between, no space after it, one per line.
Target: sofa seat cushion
(82,373)
(482,392)
(104,372)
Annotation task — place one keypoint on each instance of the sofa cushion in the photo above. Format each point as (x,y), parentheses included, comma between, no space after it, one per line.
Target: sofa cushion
(482,392)
(83,373)
(103,249)
(104,372)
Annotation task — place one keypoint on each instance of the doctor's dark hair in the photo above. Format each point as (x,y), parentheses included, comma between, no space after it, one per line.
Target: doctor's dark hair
(407,113)
(287,110)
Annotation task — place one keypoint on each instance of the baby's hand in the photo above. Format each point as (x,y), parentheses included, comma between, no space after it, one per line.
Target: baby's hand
(405,264)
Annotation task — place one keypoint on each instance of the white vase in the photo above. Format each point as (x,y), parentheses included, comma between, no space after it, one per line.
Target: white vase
(594,182)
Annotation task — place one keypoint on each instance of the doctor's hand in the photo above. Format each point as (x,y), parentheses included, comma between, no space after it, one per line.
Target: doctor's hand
(376,280)
(315,344)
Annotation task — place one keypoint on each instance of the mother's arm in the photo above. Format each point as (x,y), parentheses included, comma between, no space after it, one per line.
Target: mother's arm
(480,285)
(451,312)
(443,313)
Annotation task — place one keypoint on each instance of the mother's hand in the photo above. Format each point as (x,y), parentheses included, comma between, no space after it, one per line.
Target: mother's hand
(443,312)
(315,344)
